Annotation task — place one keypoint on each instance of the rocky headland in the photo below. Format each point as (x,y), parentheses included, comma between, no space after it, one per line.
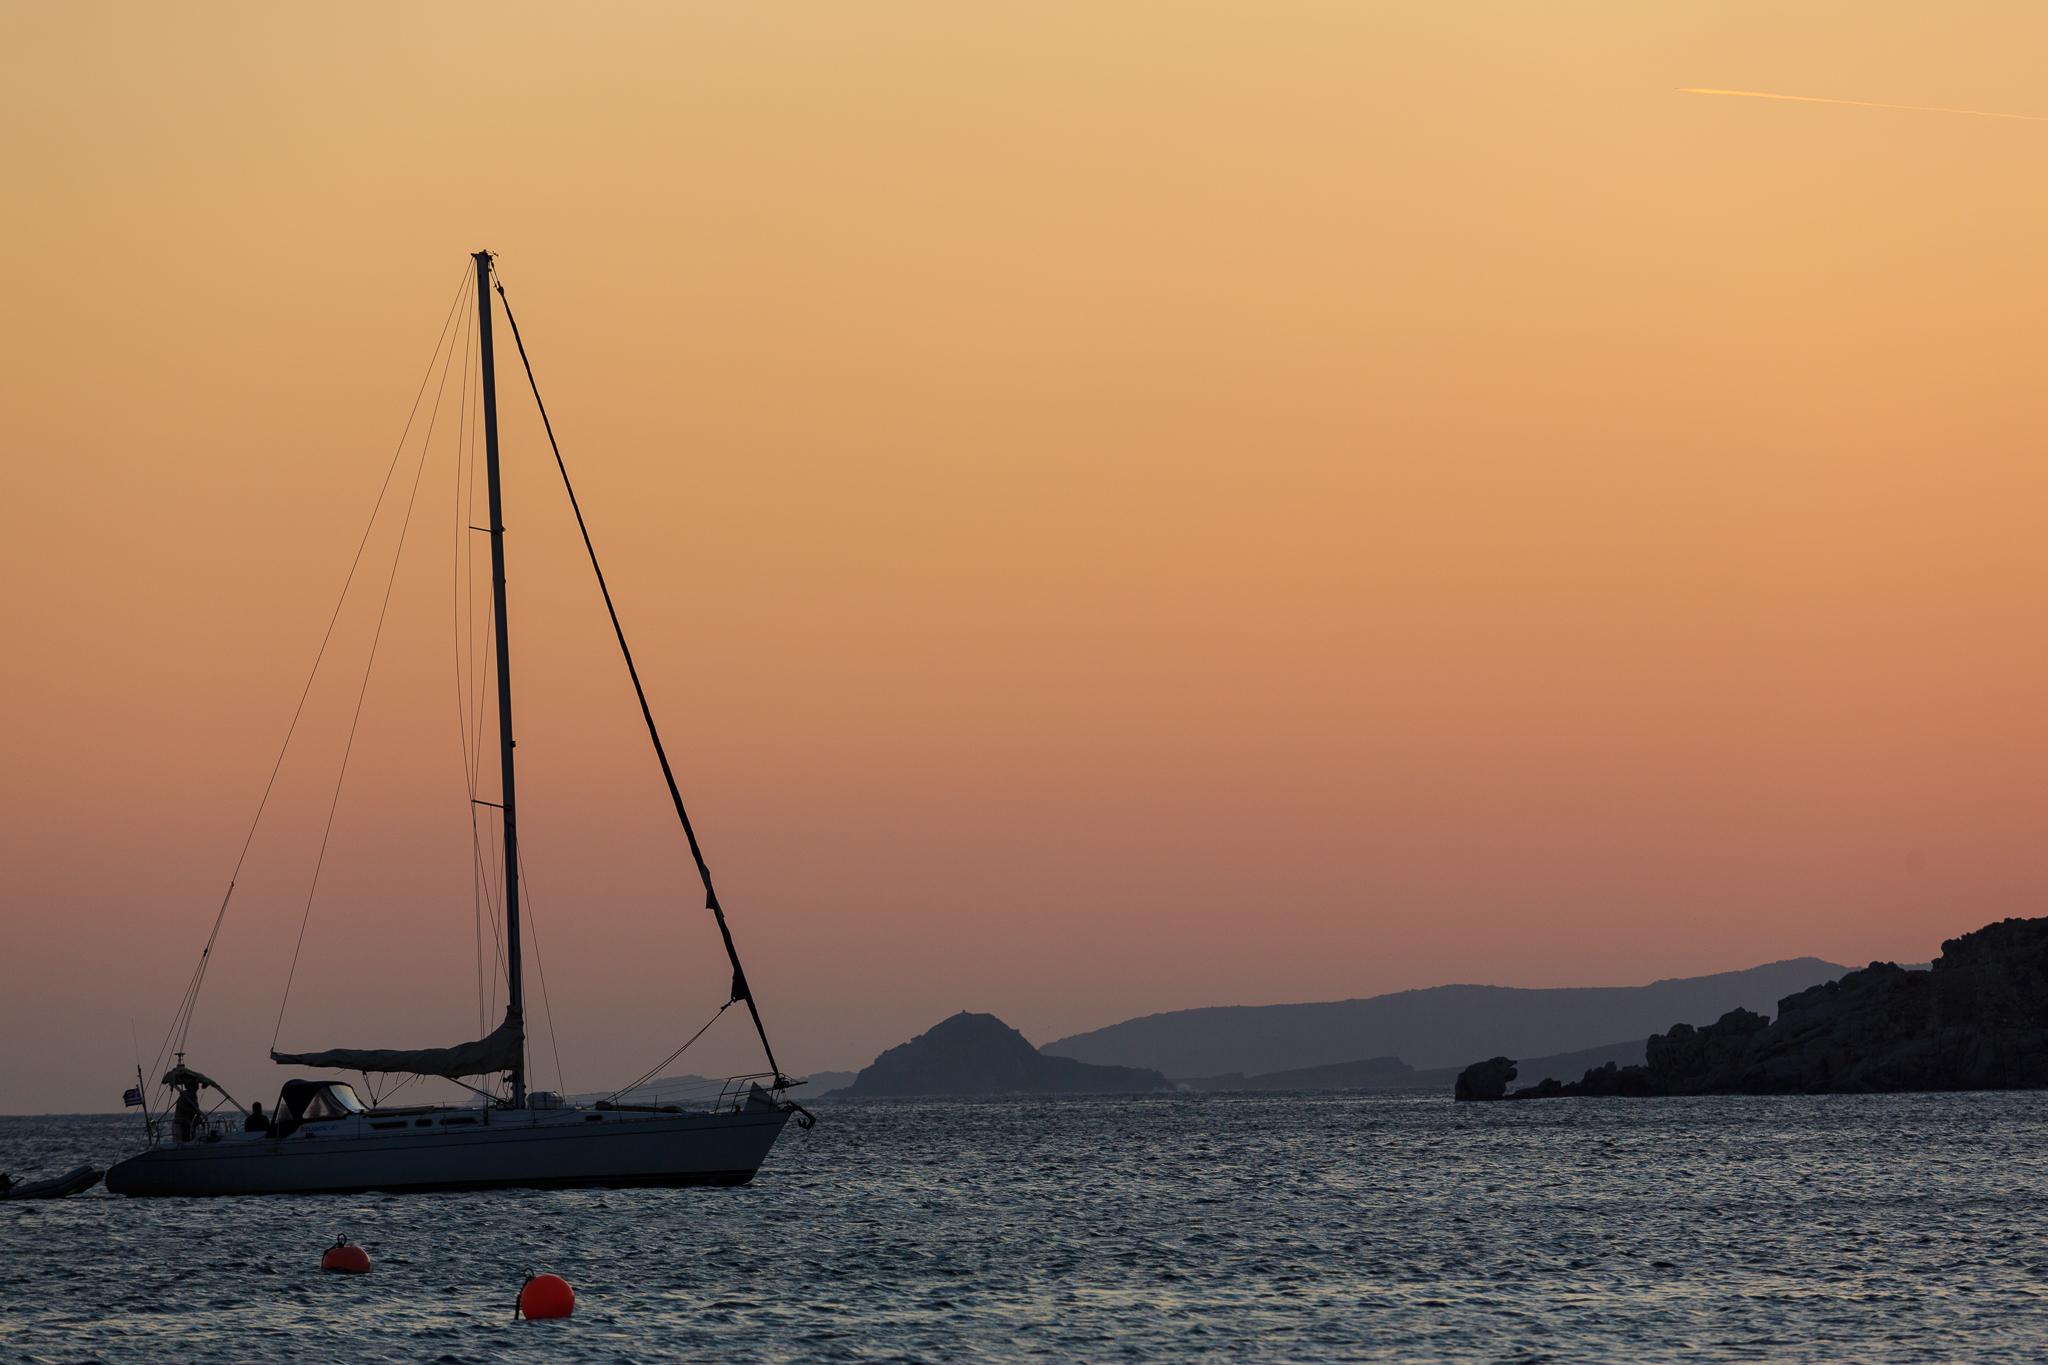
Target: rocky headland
(978,1054)
(1977,1020)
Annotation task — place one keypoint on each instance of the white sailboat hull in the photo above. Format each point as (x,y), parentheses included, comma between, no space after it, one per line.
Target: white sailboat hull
(490,1150)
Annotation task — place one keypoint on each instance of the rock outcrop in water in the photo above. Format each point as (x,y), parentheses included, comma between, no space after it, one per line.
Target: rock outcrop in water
(1539,1069)
(978,1054)
(1977,1020)
(1486,1080)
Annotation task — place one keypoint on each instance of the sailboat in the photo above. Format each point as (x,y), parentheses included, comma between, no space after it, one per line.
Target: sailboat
(322,1138)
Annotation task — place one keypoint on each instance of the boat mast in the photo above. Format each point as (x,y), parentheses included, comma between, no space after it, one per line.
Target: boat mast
(516,995)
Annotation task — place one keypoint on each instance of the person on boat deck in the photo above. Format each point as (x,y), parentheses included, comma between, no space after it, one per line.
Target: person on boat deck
(257,1122)
(185,1117)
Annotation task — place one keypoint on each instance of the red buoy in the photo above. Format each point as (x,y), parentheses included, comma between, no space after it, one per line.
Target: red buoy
(346,1257)
(546,1296)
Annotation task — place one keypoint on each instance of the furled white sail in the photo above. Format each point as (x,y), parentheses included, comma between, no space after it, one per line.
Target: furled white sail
(500,1050)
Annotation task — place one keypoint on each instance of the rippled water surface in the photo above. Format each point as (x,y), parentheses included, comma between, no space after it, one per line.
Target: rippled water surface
(1232,1227)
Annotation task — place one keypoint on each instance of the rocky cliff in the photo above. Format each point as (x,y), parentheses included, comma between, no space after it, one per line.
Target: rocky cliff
(1977,1020)
(978,1054)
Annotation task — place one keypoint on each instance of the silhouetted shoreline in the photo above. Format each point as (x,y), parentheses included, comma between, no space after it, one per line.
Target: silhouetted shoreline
(1978,1020)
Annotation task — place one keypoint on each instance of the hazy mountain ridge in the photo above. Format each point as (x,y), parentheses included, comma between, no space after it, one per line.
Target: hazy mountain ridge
(1434,1027)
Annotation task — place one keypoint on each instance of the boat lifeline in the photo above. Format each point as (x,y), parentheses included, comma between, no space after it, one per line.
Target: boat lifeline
(320,1136)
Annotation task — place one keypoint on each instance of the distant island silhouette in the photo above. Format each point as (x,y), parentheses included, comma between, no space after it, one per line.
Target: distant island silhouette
(1378,1041)
(978,1054)
(1437,1027)
(1977,1020)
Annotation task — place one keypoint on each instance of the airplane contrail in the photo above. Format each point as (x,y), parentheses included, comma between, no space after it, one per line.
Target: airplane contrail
(1868,104)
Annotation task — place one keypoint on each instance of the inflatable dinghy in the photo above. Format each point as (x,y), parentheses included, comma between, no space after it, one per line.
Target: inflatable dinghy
(57,1186)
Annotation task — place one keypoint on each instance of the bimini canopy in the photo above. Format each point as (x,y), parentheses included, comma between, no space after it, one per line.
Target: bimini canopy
(501,1050)
(181,1075)
(318,1100)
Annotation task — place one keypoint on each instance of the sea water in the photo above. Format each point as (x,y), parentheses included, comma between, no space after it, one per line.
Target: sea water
(1305,1227)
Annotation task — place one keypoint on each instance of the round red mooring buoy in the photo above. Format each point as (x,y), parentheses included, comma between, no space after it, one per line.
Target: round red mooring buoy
(346,1257)
(546,1296)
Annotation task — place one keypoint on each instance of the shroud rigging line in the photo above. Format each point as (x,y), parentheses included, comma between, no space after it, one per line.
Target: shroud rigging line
(181,1021)
(362,693)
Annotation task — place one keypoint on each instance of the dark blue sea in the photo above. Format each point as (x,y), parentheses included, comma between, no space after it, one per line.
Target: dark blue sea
(1869,1228)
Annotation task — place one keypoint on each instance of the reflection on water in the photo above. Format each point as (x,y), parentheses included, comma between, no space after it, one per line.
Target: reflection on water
(1901,1228)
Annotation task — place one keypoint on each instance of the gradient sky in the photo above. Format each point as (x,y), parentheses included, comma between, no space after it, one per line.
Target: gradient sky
(1118,507)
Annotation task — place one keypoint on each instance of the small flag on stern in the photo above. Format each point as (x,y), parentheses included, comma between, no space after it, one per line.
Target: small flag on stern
(131,1097)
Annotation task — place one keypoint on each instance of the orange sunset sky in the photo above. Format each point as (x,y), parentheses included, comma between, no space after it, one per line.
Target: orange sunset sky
(1118,507)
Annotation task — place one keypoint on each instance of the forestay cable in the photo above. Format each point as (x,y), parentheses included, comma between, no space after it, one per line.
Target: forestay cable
(740,988)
